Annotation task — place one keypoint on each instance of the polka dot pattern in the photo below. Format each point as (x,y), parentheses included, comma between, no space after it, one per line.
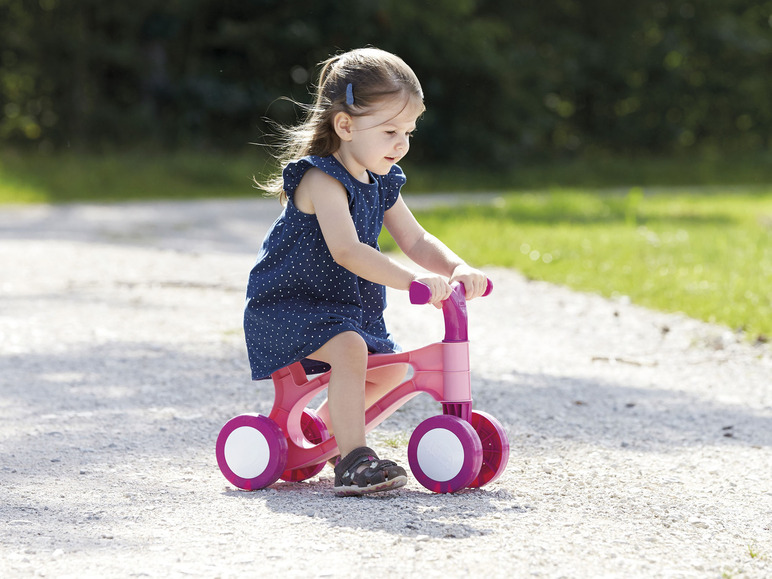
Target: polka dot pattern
(298,298)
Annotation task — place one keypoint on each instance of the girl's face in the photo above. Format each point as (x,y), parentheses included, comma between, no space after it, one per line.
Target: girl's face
(379,139)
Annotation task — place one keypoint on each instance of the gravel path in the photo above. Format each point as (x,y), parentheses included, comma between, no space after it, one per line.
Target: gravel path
(641,442)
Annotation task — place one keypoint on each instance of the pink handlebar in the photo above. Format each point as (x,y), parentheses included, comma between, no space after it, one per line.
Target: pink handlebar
(453,308)
(421,294)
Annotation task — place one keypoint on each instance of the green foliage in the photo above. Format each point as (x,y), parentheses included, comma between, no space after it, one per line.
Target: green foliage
(707,253)
(504,81)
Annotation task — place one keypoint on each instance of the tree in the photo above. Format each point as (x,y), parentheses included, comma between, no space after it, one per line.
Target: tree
(503,80)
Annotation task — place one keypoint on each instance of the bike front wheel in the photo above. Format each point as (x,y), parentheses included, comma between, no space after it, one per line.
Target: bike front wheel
(445,453)
(495,448)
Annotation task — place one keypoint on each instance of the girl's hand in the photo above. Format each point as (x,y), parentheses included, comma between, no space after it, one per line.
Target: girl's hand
(475,282)
(440,287)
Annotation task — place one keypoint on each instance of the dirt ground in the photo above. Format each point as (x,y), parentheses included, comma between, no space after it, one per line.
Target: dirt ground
(641,442)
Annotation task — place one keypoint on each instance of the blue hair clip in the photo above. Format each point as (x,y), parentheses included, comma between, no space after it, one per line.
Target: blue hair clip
(349,94)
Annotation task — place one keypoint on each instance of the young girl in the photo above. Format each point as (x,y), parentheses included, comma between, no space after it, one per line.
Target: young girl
(316,293)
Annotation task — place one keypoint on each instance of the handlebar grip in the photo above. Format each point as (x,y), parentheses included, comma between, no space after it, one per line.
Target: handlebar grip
(488,289)
(421,294)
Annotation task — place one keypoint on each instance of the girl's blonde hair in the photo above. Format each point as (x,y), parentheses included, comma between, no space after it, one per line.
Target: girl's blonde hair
(351,82)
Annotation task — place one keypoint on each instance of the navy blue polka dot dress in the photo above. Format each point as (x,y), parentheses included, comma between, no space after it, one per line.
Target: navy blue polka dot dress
(298,298)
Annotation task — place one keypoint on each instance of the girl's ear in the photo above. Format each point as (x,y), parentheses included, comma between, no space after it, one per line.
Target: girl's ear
(342,123)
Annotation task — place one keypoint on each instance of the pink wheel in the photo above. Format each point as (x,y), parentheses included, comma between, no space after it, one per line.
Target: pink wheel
(315,431)
(251,451)
(495,448)
(445,453)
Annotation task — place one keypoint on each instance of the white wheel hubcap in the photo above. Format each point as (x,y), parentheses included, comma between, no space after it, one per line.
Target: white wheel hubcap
(440,454)
(247,452)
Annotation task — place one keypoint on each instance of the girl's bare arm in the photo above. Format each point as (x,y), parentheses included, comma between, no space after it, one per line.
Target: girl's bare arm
(329,201)
(429,252)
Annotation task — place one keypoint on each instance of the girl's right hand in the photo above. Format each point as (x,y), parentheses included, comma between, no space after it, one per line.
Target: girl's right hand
(439,286)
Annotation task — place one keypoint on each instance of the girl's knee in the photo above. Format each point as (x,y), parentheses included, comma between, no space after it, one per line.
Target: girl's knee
(347,348)
(351,342)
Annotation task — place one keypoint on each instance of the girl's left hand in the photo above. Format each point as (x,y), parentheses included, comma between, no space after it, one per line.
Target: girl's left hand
(475,282)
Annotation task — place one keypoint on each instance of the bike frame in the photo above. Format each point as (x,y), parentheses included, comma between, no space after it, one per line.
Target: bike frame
(441,370)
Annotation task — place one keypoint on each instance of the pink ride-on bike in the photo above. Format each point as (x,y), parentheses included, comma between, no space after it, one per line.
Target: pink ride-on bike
(458,449)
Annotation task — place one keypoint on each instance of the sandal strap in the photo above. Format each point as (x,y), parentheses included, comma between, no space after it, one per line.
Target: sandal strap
(349,473)
(354,459)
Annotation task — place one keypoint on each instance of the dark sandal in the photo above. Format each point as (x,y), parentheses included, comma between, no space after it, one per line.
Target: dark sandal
(362,472)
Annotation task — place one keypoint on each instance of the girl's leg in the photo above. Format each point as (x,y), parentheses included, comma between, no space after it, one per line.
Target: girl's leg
(346,354)
(360,470)
(381,381)
(378,383)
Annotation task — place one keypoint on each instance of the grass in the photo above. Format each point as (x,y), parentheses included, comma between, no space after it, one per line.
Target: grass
(132,176)
(149,174)
(395,440)
(706,252)
(709,169)
(702,245)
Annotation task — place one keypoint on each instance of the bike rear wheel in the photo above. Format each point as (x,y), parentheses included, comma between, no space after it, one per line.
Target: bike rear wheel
(251,451)
(315,431)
